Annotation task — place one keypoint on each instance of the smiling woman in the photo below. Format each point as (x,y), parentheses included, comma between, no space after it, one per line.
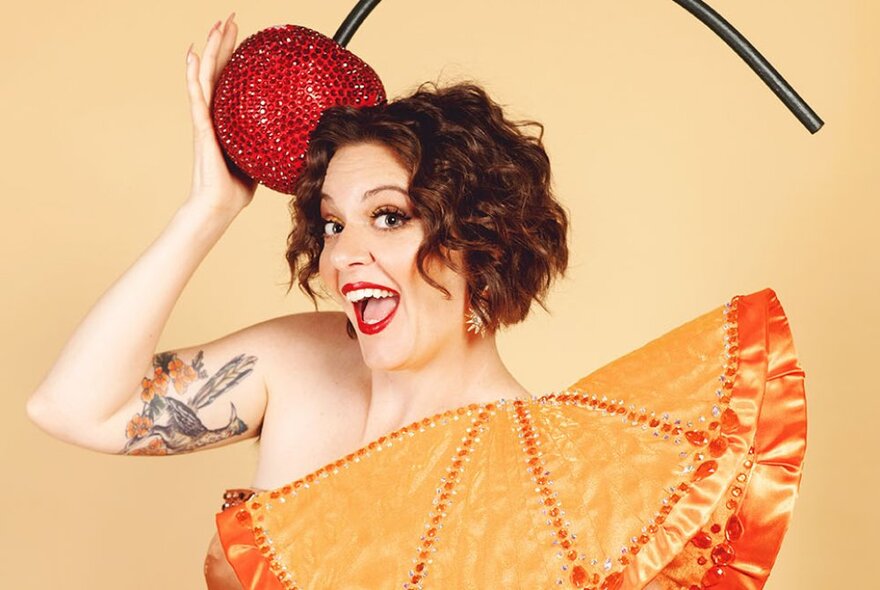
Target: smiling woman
(477,183)
(396,448)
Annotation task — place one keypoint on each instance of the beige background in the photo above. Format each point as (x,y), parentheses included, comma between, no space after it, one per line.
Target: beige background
(687,181)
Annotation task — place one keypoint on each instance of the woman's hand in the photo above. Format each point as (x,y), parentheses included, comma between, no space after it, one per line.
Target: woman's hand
(215,185)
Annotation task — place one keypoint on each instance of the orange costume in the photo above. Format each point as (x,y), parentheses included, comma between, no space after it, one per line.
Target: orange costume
(679,462)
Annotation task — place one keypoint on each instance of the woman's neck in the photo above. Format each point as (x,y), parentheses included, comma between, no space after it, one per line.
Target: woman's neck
(458,376)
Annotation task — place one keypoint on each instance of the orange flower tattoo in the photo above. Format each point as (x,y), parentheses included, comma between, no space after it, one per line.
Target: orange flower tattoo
(181,374)
(138,426)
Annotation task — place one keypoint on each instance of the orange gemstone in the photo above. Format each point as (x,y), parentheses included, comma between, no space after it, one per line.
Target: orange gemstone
(716,527)
(621,410)
(634,549)
(274,495)
(572,555)
(566,544)
(731,504)
(419,567)
(713,576)
(415,579)
(562,533)
(718,446)
(677,430)
(696,437)
(674,498)
(666,509)
(723,554)
(702,540)
(554,512)
(643,539)
(713,425)
(702,560)
(423,554)
(666,427)
(242,516)
(734,529)
(684,487)
(660,519)
(654,422)
(705,470)
(286,490)
(381,440)
(729,421)
(578,576)
(613,582)
(431,532)
(557,522)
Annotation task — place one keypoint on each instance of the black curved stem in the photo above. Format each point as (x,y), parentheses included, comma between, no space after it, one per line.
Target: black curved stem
(756,61)
(701,11)
(354,19)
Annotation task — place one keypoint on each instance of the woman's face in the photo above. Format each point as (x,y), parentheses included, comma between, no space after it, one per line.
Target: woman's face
(368,263)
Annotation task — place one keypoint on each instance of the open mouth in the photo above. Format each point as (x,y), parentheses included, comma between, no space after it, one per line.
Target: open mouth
(374,306)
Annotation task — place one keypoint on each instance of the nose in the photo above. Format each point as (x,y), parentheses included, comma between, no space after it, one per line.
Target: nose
(350,248)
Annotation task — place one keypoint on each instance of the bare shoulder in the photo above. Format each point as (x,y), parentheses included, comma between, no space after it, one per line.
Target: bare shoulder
(312,335)
(318,395)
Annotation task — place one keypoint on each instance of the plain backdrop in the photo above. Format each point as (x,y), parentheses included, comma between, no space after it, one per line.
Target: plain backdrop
(687,181)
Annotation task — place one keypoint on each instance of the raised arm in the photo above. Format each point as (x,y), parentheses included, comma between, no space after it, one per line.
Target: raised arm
(105,367)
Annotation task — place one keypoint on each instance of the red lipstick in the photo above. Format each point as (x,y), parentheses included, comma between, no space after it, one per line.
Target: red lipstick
(370,328)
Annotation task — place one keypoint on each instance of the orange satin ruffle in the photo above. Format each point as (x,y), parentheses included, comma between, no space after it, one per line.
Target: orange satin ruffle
(684,451)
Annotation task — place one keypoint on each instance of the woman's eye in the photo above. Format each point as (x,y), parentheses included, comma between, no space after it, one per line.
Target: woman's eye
(331,228)
(390,219)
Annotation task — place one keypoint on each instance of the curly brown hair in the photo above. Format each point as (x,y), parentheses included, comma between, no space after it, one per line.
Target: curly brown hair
(479,183)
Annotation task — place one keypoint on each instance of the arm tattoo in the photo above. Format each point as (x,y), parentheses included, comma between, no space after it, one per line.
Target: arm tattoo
(167,425)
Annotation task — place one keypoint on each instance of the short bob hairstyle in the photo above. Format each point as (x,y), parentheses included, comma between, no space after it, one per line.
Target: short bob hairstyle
(479,183)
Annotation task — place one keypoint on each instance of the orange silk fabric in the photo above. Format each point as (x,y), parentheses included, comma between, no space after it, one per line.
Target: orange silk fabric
(678,462)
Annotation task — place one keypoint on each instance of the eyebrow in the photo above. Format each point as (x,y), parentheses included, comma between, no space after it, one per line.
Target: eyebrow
(373,191)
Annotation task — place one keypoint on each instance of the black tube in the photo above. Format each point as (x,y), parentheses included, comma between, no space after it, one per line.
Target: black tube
(756,61)
(354,19)
(700,10)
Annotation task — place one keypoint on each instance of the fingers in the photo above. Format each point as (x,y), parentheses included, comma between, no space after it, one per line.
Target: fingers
(209,60)
(227,45)
(198,105)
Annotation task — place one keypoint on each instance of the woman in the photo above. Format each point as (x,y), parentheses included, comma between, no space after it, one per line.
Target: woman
(386,440)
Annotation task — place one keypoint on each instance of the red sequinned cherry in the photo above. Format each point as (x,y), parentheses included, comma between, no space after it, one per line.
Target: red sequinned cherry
(271,94)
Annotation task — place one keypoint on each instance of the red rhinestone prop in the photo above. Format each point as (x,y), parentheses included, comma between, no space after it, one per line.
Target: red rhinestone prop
(271,94)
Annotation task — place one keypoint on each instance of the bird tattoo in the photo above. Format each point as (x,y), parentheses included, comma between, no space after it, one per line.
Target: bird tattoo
(167,425)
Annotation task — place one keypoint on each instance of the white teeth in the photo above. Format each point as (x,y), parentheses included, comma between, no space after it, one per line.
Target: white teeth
(359,294)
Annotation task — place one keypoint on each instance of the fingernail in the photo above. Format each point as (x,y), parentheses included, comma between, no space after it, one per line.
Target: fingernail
(214,28)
